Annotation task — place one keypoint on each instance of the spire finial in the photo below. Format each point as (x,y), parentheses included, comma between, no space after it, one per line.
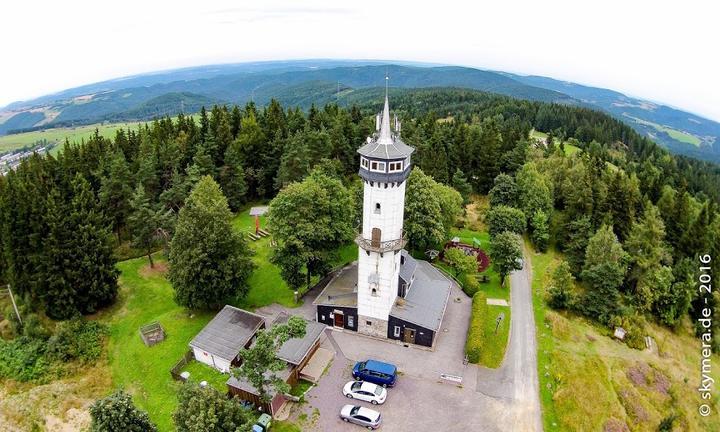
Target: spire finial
(385,134)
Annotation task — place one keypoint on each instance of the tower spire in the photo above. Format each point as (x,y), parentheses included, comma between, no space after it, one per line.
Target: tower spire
(385,133)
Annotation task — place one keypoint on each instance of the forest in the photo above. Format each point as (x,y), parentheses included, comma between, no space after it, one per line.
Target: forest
(630,217)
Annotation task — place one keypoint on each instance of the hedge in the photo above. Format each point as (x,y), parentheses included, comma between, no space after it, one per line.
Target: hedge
(476,331)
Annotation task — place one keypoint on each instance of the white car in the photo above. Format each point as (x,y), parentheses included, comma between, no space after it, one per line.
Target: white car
(362,416)
(365,391)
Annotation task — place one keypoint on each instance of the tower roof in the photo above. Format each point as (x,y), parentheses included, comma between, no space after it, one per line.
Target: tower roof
(385,144)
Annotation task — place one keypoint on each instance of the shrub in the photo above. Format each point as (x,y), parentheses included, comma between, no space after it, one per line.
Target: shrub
(77,339)
(476,332)
(117,413)
(23,359)
(470,285)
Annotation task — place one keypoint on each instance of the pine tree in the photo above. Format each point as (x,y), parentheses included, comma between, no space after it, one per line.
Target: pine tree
(295,162)
(209,260)
(603,273)
(142,222)
(504,191)
(232,177)
(115,192)
(460,183)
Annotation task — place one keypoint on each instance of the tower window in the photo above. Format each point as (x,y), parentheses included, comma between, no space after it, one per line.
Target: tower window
(374,292)
(377,208)
(377,166)
(396,166)
(364,163)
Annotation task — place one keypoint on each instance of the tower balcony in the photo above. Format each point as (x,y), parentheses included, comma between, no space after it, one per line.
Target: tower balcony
(373,245)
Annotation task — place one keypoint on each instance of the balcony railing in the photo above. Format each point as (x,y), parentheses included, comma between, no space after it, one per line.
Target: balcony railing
(380,246)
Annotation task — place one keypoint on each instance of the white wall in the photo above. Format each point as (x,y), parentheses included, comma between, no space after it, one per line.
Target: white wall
(390,222)
(210,360)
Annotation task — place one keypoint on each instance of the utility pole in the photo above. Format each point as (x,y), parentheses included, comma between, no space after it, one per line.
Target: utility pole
(12,298)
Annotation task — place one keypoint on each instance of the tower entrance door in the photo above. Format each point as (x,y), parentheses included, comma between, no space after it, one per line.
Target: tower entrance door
(409,336)
(339,319)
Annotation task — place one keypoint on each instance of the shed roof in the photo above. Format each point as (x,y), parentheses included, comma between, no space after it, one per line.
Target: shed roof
(295,350)
(228,332)
(425,303)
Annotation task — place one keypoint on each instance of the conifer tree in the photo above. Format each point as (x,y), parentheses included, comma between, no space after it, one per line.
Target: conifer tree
(232,177)
(209,260)
(115,191)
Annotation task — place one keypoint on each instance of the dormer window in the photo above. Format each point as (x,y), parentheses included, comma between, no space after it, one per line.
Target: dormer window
(396,166)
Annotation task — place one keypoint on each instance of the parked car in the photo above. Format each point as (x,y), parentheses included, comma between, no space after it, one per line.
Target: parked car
(361,416)
(377,372)
(365,391)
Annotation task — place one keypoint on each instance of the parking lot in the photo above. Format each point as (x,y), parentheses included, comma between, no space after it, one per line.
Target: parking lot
(421,399)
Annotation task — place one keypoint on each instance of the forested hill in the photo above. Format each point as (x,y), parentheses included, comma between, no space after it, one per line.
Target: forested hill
(103,193)
(303,83)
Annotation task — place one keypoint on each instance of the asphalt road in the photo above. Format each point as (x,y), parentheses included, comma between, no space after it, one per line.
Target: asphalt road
(516,381)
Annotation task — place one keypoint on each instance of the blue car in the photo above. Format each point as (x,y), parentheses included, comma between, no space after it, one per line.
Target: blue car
(380,373)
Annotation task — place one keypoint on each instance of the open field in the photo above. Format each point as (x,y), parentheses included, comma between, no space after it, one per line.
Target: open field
(675,134)
(58,135)
(569,148)
(589,381)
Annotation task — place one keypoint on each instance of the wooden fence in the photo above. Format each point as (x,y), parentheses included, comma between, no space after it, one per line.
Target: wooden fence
(177,369)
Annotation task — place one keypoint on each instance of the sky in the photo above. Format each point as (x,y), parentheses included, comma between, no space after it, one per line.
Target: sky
(664,51)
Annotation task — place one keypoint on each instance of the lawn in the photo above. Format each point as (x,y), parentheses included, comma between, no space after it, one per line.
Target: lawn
(569,148)
(267,286)
(58,135)
(495,343)
(201,372)
(491,288)
(542,265)
(147,296)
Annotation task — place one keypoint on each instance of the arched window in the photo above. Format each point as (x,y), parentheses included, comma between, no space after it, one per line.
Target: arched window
(377,208)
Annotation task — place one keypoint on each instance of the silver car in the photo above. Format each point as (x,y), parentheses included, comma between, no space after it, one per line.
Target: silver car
(361,416)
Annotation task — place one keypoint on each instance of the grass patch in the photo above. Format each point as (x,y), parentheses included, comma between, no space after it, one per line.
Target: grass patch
(300,388)
(683,137)
(201,372)
(284,426)
(589,381)
(58,135)
(145,371)
(569,148)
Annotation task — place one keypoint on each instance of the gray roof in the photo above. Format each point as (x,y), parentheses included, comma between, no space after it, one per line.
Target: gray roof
(385,144)
(258,211)
(396,149)
(294,350)
(425,303)
(342,289)
(228,332)
(407,269)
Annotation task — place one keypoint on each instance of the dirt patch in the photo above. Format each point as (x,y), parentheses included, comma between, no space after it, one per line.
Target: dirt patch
(638,374)
(159,269)
(615,425)
(75,420)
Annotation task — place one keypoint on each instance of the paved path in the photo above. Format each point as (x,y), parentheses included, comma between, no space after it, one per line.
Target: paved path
(516,381)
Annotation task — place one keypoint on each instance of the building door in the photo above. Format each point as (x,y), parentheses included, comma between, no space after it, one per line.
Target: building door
(376,234)
(409,336)
(339,319)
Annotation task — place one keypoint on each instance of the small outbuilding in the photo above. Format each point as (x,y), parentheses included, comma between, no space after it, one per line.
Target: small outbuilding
(219,343)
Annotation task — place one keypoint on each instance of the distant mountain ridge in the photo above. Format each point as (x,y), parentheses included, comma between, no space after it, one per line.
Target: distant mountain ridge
(305,82)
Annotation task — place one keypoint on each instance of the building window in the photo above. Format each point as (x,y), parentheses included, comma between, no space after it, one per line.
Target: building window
(368,323)
(350,321)
(322,317)
(374,292)
(364,162)
(396,166)
(377,208)
(377,166)
(396,332)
